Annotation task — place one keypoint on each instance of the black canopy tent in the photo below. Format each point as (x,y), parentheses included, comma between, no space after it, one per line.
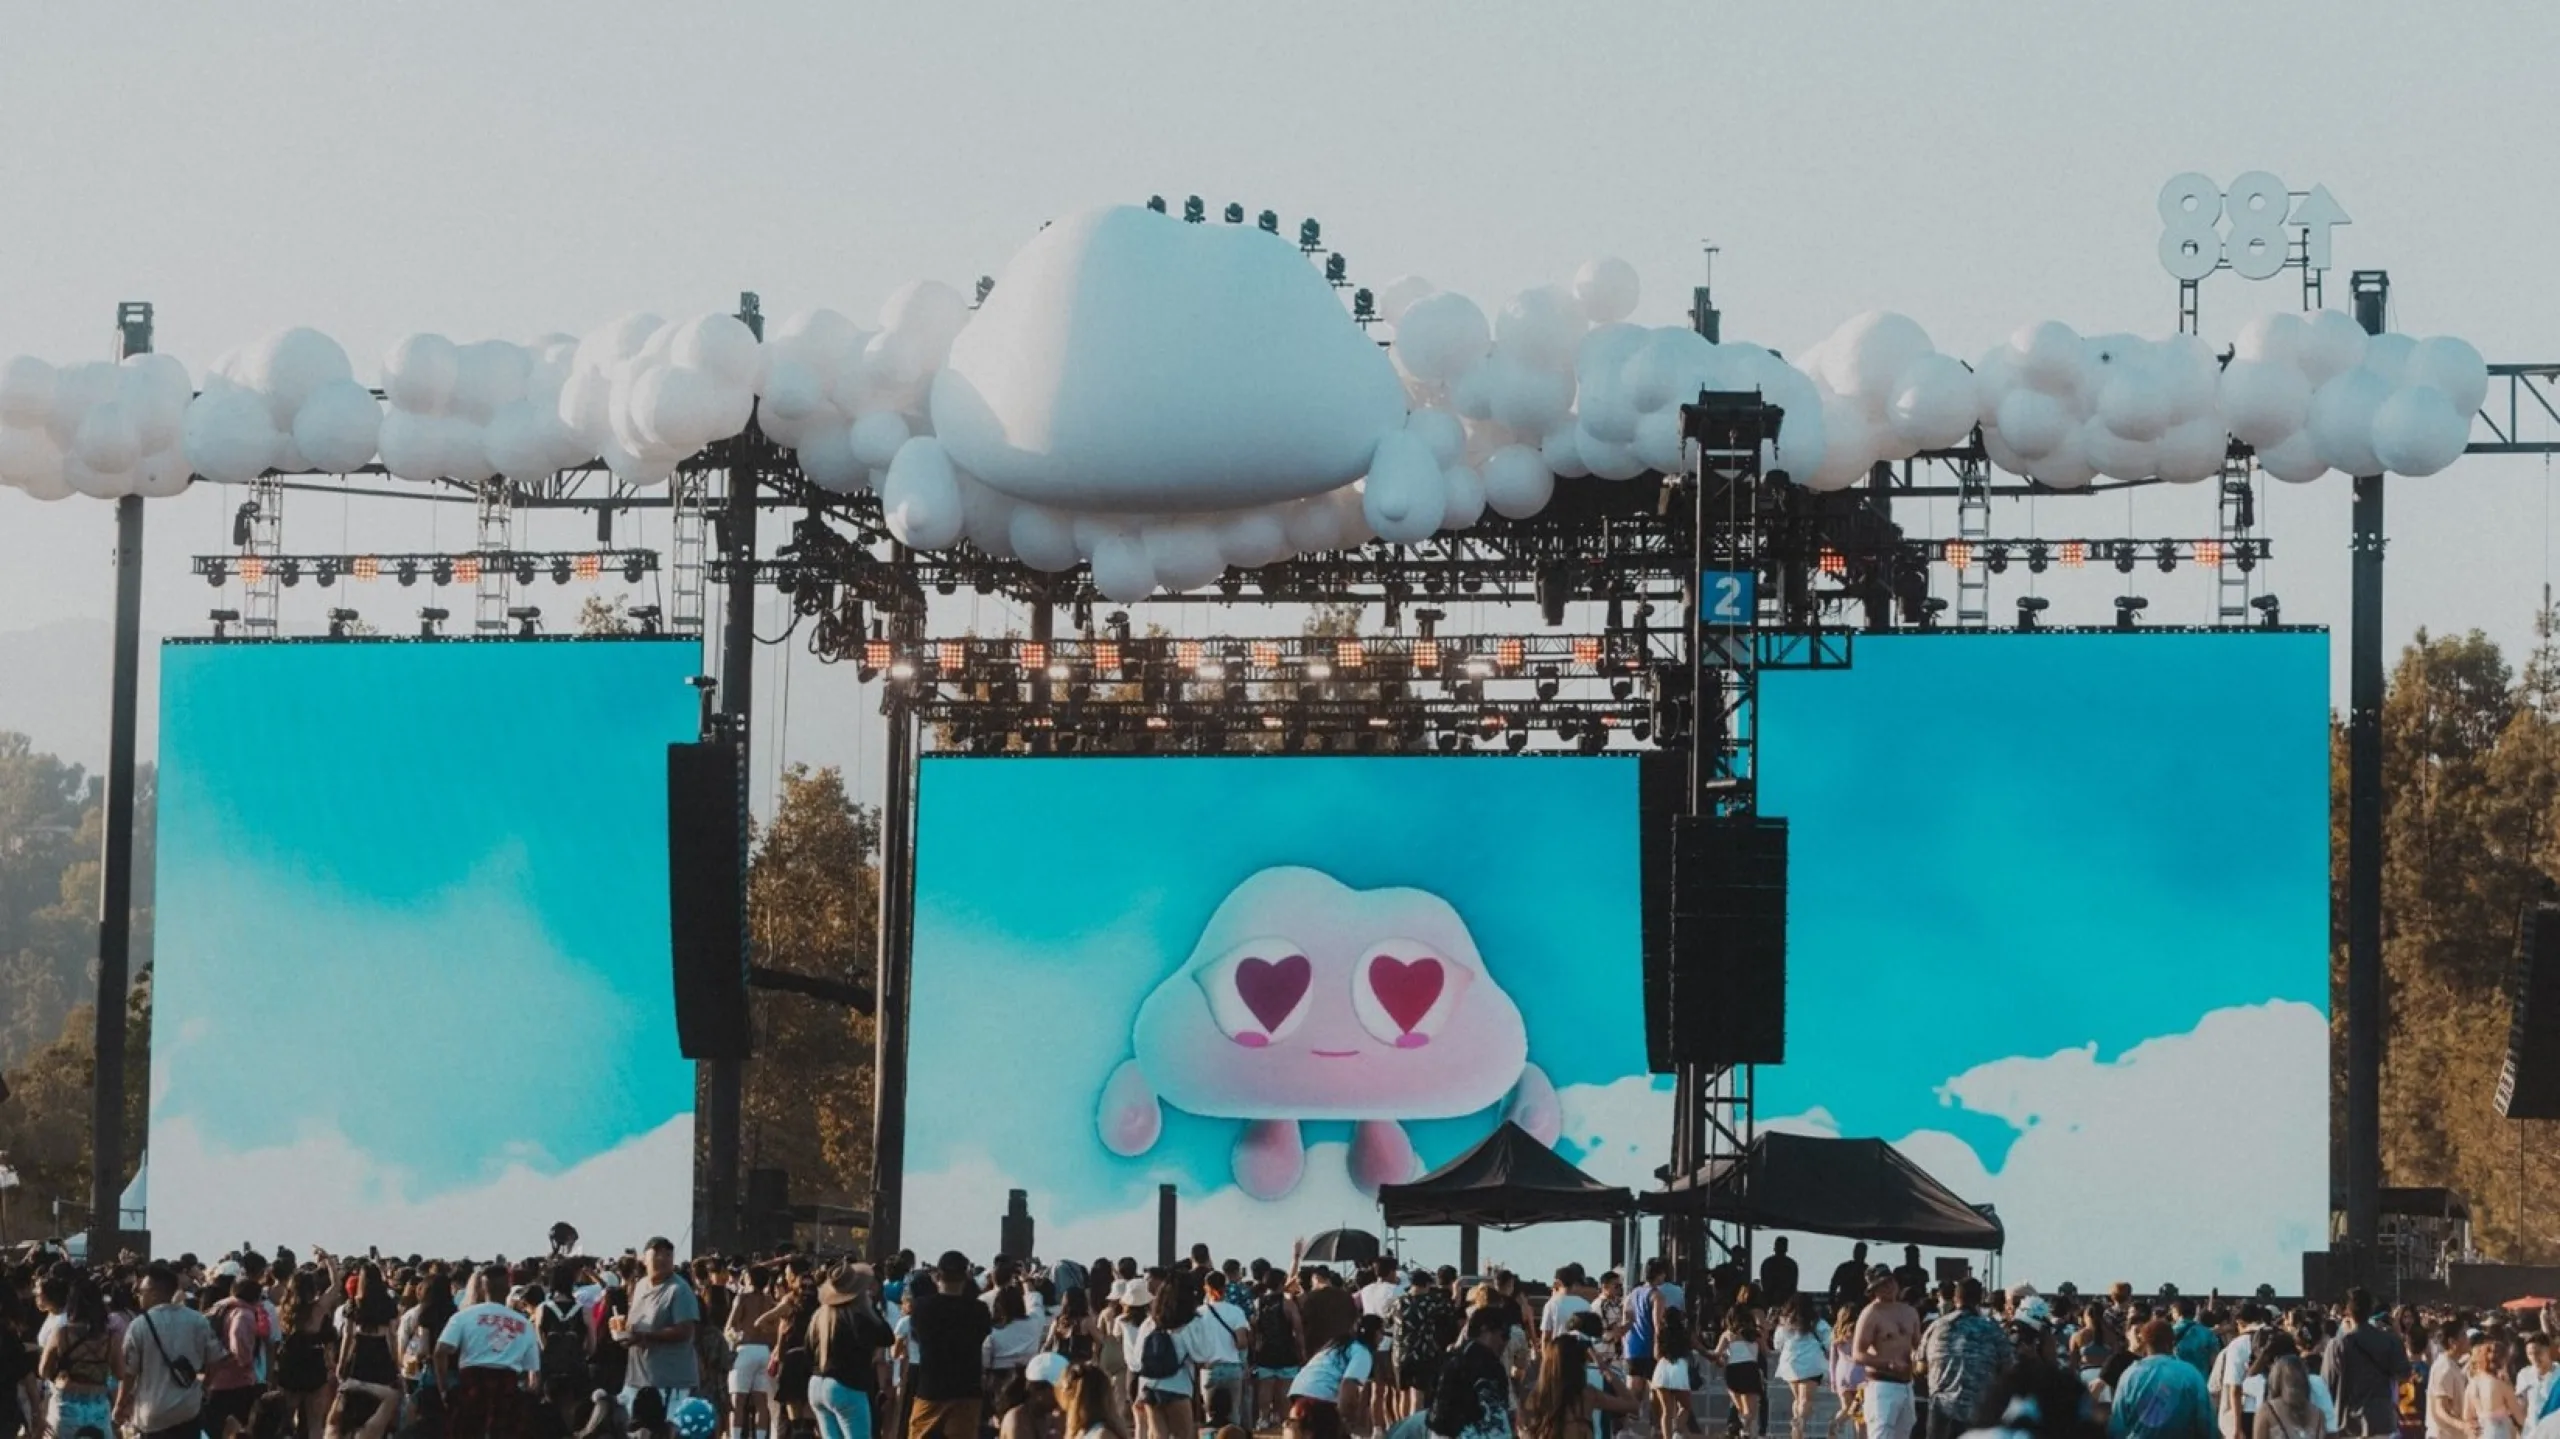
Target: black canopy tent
(1508,1181)
(1858,1188)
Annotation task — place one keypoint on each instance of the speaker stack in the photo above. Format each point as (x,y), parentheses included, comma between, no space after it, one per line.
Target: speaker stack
(707,898)
(2529,1087)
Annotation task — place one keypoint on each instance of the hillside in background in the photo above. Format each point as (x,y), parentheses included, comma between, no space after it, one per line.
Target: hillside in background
(56,694)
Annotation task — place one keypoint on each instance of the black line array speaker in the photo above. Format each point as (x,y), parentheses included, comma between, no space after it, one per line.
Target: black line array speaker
(1727,956)
(2529,1087)
(707,899)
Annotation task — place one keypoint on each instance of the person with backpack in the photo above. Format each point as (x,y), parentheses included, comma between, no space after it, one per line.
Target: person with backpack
(1279,1345)
(1167,1351)
(1226,1338)
(561,1328)
(247,1334)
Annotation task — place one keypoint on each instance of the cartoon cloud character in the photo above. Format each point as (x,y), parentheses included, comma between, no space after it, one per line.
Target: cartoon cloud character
(1308,999)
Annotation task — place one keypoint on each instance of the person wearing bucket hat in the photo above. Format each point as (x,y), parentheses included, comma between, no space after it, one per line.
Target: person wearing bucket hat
(846,1336)
(1888,1332)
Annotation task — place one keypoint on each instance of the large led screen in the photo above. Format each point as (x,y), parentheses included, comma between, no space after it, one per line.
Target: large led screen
(411,985)
(2058,930)
(1272,982)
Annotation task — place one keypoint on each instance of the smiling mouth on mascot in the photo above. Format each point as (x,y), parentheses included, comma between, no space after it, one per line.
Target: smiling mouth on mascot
(1307,999)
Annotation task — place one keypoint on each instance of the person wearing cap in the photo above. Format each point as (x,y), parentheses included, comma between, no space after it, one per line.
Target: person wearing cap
(948,1330)
(1029,1406)
(657,1331)
(1887,1334)
(845,1339)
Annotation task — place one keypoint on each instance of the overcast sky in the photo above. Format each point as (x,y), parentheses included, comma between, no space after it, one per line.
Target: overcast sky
(502,169)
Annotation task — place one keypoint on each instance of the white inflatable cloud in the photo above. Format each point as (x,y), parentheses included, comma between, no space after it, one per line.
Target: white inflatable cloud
(1128,362)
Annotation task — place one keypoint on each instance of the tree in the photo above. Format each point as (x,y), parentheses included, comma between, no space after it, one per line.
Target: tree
(813,907)
(602,616)
(2471,767)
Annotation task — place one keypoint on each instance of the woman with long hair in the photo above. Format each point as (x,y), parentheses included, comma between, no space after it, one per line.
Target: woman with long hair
(231,1387)
(1745,1375)
(82,1362)
(1071,1332)
(1166,1397)
(1013,1340)
(1799,1354)
(1848,1376)
(1674,1370)
(792,1365)
(304,1356)
(1565,1398)
(1086,1399)
(420,1327)
(1330,1397)
(846,1336)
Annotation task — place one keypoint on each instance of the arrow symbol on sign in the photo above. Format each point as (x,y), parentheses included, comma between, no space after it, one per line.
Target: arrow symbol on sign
(2318,211)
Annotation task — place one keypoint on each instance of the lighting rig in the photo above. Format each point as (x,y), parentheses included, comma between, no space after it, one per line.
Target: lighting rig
(461,567)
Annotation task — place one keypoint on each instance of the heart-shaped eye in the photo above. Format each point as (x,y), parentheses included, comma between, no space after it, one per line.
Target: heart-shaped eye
(1257,992)
(1403,993)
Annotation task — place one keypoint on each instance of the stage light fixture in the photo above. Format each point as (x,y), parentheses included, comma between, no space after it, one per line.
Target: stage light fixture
(875,654)
(1547,685)
(1507,653)
(1058,669)
(2127,607)
(289,572)
(466,571)
(2166,553)
(2245,556)
(2270,611)
(1271,721)
(1364,305)
(430,617)
(1568,728)
(1186,653)
(1379,721)
(253,570)
(524,572)
(216,574)
(241,519)
(528,619)
(1158,722)
(902,669)
(340,621)
(1621,687)
(223,620)
(1996,559)
(2124,557)
(1348,654)
(2037,558)
(1035,656)
(560,570)
(588,567)
(1586,650)
(364,569)
(1642,730)
(1516,741)
(1156,203)
(1448,741)
(1235,213)
(1194,209)
(1337,270)
(1319,670)
(1269,220)
(1310,235)
(633,568)
(1479,668)
(2209,553)
(2030,609)
(1211,669)
(1832,562)
(408,572)
(1959,554)
(650,617)
(1106,654)
(1426,655)
(324,572)
(1266,655)
(2074,554)
(950,656)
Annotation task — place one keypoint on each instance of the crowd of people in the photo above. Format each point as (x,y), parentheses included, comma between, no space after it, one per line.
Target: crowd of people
(793,1346)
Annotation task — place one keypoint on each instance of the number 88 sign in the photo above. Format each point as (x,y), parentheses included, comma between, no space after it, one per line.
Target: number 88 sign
(2258,206)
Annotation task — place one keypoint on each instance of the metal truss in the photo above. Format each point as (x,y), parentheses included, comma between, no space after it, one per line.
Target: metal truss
(464,567)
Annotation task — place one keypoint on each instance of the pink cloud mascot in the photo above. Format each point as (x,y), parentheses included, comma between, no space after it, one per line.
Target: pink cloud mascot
(1308,999)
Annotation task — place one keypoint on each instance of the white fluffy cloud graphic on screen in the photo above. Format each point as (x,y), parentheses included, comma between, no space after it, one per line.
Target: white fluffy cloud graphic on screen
(1623,1130)
(323,1189)
(2199,1158)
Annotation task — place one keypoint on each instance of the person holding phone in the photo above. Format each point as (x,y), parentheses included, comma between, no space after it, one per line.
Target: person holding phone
(167,1350)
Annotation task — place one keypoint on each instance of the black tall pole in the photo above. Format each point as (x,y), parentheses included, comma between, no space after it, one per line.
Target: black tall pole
(115,869)
(737,708)
(889,1013)
(2365,1019)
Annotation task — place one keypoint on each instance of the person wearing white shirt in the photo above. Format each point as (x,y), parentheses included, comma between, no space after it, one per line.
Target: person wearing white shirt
(1565,1303)
(2533,1381)
(1224,1333)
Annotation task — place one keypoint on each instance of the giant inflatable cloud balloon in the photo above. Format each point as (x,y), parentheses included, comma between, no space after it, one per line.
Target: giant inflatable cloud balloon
(1165,400)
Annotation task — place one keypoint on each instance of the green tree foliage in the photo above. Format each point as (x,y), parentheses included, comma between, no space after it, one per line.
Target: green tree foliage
(2471,765)
(813,907)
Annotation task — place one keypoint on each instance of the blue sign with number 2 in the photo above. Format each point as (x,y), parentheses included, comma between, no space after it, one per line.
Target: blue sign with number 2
(1725,597)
